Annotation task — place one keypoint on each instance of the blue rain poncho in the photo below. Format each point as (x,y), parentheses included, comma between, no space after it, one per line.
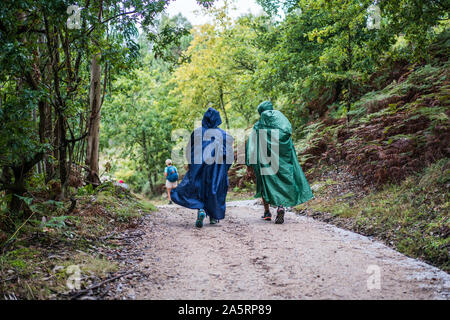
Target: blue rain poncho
(205,185)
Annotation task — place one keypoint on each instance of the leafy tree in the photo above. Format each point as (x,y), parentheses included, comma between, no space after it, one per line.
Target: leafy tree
(171,39)
(204,80)
(272,7)
(54,79)
(137,120)
(220,72)
(321,54)
(415,19)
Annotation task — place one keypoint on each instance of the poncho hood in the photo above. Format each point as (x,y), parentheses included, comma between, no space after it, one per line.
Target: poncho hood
(211,119)
(264,106)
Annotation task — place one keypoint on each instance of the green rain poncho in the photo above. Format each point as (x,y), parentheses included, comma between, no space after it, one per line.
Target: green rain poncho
(286,186)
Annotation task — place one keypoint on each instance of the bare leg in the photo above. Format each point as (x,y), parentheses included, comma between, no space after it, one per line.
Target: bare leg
(168,193)
(266,205)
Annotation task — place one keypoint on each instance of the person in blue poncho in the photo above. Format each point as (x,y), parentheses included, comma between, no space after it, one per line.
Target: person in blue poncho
(285,184)
(205,185)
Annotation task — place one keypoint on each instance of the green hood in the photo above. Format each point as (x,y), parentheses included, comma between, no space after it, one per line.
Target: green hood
(264,106)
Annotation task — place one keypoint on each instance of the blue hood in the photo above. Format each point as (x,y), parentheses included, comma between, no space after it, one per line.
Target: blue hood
(211,119)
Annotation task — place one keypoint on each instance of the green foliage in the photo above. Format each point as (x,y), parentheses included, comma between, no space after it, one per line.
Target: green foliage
(137,122)
(320,56)
(57,222)
(416,19)
(220,72)
(272,7)
(423,79)
(17,259)
(45,81)
(147,205)
(171,39)
(126,215)
(86,190)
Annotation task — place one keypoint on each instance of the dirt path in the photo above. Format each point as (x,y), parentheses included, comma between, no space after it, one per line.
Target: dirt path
(244,257)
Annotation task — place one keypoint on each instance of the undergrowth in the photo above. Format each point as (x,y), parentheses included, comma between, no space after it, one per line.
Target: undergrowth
(39,260)
(412,216)
(393,132)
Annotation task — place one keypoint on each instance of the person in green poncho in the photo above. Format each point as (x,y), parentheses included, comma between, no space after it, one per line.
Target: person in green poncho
(270,152)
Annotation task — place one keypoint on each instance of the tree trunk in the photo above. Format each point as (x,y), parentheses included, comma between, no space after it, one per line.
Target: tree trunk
(45,135)
(63,173)
(147,162)
(17,188)
(46,126)
(222,105)
(61,124)
(92,151)
(349,68)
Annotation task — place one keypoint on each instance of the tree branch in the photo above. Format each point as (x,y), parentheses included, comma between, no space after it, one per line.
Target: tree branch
(105,21)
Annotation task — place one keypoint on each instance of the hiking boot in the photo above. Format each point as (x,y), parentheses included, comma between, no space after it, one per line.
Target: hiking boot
(280,215)
(200,217)
(213,221)
(170,201)
(267,216)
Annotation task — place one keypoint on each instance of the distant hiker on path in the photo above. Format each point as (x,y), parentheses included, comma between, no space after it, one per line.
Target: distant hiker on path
(280,181)
(171,174)
(205,185)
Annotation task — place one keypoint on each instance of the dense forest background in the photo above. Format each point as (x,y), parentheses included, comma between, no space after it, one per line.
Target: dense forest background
(364,83)
(325,60)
